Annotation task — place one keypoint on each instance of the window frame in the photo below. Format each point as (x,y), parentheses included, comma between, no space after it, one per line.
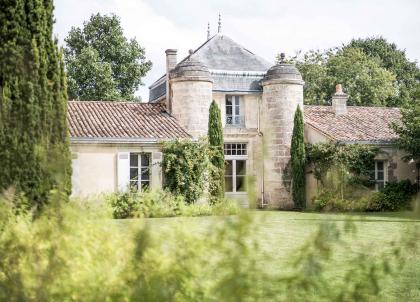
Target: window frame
(140,169)
(384,171)
(236,119)
(233,159)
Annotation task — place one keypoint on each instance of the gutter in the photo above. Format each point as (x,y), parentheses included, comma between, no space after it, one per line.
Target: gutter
(121,140)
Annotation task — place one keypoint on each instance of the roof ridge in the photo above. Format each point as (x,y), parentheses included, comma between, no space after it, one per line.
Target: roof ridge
(113,102)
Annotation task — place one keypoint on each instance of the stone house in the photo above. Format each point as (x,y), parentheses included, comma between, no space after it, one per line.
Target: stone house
(115,144)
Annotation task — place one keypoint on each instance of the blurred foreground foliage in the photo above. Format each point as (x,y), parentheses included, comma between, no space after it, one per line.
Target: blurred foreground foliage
(74,252)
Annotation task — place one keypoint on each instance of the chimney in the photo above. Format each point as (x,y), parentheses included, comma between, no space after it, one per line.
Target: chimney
(170,64)
(339,101)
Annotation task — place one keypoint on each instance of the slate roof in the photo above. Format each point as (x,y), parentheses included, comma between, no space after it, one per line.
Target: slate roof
(359,124)
(232,67)
(121,121)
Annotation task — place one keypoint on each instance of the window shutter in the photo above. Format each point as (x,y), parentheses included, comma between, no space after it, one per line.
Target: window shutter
(242,111)
(75,175)
(123,170)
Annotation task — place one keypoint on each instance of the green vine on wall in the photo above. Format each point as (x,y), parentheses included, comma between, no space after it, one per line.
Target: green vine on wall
(186,167)
(355,160)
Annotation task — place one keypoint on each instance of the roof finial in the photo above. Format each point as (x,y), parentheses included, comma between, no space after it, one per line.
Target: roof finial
(208,30)
(219,29)
(282,57)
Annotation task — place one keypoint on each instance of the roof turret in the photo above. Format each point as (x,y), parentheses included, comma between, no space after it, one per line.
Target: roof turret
(191,69)
(283,71)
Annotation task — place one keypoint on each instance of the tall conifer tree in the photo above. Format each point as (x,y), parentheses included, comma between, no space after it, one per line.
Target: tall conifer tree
(215,136)
(297,153)
(34,144)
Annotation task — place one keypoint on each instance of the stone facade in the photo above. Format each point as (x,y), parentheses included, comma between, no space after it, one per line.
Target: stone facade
(280,100)
(190,105)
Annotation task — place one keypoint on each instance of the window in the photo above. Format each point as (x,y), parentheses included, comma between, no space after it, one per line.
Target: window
(140,171)
(234,115)
(235,167)
(378,176)
(235,149)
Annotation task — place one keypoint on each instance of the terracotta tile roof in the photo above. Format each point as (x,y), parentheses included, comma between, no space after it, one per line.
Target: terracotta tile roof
(359,124)
(121,120)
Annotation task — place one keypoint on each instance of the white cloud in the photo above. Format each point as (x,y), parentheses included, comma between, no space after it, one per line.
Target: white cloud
(264,27)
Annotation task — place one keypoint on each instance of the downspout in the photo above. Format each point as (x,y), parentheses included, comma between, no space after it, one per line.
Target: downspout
(261,135)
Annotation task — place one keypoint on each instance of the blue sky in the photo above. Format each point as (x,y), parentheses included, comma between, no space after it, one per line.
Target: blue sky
(265,27)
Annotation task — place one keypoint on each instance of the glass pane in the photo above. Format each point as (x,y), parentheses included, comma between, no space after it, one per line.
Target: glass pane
(133,173)
(228,110)
(134,159)
(380,175)
(241,167)
(379,165)
(228,168)
(244,149)
(237,110)
(229,119)
(228,101)
(133,185)
(145,160)
(145,175)
(240,184)
(237,100)
(228,183)
(145,185)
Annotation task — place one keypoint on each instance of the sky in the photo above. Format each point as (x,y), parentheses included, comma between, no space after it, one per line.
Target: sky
(266,27)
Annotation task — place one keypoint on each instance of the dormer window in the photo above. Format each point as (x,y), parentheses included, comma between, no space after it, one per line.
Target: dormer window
(234,111)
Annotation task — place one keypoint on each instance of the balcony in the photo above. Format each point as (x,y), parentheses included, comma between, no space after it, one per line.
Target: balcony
(235,121)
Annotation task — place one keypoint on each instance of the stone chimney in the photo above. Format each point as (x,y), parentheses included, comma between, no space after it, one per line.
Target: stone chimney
(339,101)
(170,64)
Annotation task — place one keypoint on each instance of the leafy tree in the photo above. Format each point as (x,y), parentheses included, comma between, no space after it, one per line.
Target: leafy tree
(34,152)
(215,135)
(313,68)
(364,80)
(409,132)
(394,60)
(297,153)
(102,63)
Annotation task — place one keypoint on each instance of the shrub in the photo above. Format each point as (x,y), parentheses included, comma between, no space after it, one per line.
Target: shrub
(330,202)
(159,203)
(394,196)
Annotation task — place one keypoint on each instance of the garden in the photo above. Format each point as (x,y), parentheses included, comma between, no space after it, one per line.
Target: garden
(76,251)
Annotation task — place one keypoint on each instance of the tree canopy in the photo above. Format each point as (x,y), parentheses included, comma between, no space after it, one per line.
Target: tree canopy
(34,143)
(101,63)
(409,131)
(373,72)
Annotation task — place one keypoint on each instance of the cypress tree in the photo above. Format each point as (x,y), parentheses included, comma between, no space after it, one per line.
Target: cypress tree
(215,136)
(34,144)
(298,161)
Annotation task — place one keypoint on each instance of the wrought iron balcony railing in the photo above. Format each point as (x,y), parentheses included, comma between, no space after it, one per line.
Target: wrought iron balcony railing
(235,121)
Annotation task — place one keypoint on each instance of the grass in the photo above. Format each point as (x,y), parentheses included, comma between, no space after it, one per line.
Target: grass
(281,233)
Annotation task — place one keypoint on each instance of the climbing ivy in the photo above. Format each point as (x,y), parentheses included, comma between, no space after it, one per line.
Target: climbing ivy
(355,159)
(186,166)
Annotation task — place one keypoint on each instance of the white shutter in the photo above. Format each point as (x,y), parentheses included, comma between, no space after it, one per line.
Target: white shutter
(242,111)
(75,175)
(123,170)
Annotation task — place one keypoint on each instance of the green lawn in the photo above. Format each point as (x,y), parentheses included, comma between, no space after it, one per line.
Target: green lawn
(281,233)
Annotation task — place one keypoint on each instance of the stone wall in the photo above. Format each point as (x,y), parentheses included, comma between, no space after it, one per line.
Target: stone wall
(190,105)
(279,101)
